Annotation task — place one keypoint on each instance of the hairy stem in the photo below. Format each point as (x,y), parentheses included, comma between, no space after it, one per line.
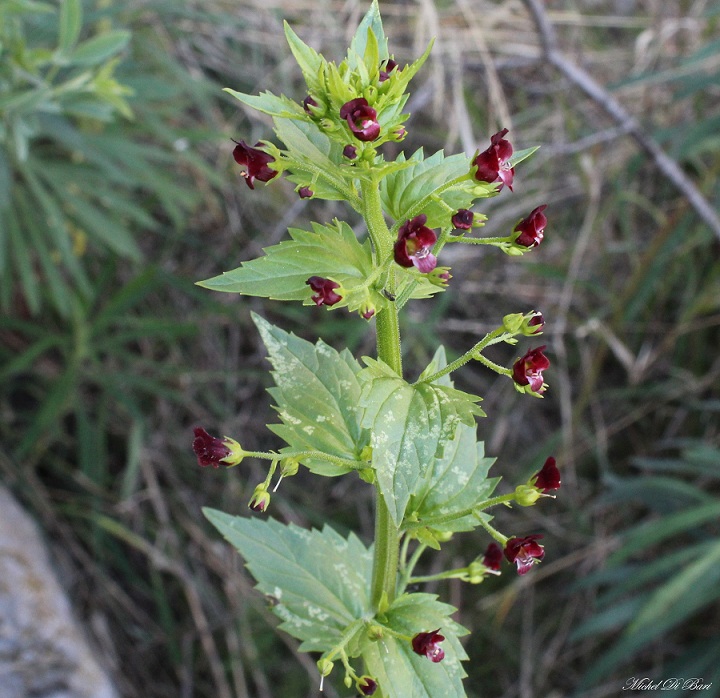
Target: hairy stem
(387,538)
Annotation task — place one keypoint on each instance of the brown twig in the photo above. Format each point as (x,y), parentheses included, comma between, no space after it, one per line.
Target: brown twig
(576,75)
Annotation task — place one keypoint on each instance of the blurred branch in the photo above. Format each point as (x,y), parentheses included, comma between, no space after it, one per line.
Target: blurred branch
(576,75)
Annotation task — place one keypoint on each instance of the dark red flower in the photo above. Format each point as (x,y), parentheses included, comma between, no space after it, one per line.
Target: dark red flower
(528,369)
(427,644)
(493,164)
(255,163)
(324,290)
(305,192)
(350,152)
(366,685)
(548,478)
(212,451)
(414,243)
(531,228)
(524,551)
(361,118)
(463,219)
(386,67)
(493,556)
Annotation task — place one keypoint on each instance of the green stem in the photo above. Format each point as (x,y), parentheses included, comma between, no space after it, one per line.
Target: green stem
(499,335)
(387,538)
(440,520)
(320,455)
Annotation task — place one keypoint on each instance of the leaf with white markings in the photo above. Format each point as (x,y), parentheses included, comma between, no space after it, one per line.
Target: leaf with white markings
(317,397)
(410,427)
(317,579)
(399,671)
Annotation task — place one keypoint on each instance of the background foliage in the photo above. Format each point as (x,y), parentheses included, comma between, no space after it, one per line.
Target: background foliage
(118,191)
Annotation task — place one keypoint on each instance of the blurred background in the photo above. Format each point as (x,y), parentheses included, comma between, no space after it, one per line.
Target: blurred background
(118,191)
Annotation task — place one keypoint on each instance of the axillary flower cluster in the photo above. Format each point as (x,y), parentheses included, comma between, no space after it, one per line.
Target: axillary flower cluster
(413,441)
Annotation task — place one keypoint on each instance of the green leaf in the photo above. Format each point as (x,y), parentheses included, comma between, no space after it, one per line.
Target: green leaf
(311,158)
(399,671)
(310,61)
(100,47)
(271,104)
(652,532)
(428,178)
(69,25)
(693,587)
(372,49)
(520,155)
(454,484)
(411,425)
(328,251)
(317,397)
(317,580)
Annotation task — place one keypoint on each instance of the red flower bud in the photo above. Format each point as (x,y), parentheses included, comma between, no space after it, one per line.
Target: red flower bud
(548,478)
(493,556)
(463,219)
(324,290)
(531,229)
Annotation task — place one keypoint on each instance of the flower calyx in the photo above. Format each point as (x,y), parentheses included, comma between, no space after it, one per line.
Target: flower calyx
(213,451)
(255,162)
(260,500)
(528,324)
(366,685)
(415,240)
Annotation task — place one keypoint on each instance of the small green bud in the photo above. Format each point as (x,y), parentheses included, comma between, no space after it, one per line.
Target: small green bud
(375,632)
(289,467)
(370,93)
(366,453)
(476,572)
(513,322)
(526,495)
(325,666)
(348,681)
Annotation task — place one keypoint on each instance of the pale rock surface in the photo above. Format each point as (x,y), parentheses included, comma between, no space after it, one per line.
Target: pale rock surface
(43,653)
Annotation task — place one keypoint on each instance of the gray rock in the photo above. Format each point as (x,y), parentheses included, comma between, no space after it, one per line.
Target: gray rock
(43,652)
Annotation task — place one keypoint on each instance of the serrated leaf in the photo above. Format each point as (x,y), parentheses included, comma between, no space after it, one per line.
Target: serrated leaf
(328,251)
(399,671)
(403,189)
(271,104)
(454,483)
(310,61)
(100,47)
(410,427)
(318,580)
(317,397)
